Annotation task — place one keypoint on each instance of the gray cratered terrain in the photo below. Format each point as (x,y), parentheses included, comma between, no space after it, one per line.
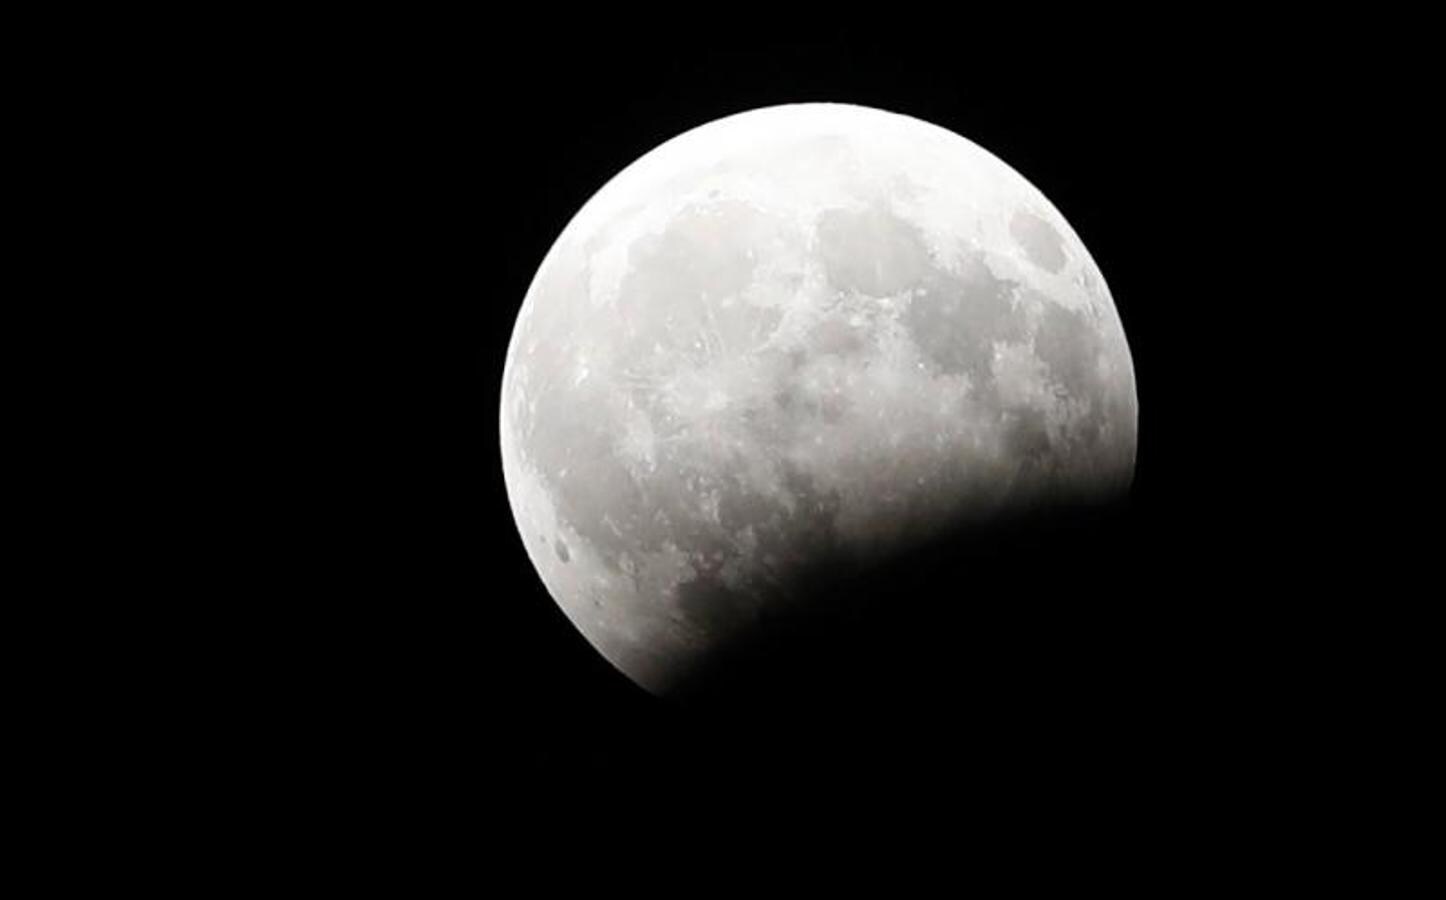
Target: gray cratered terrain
(791,337)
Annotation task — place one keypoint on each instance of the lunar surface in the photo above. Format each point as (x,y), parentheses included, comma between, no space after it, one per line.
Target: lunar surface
(791,339)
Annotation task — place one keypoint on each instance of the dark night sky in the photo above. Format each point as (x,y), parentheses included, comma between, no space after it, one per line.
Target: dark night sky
(294,629)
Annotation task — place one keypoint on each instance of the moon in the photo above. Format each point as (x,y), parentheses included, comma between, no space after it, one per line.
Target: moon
(791,339)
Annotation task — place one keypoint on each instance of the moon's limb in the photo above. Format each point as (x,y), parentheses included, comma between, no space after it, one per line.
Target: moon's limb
(796,332)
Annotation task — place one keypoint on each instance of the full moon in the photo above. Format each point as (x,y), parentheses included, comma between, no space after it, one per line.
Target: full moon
(793,339)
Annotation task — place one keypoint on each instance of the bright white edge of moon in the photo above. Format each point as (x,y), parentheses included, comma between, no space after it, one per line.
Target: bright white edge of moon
(802,332)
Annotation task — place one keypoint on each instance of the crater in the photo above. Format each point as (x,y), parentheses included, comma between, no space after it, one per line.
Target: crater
(1042,244)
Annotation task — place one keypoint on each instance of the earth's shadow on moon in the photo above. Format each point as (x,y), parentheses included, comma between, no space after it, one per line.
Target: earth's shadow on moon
(1016,619)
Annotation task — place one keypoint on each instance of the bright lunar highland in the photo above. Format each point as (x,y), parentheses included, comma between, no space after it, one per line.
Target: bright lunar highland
(797,335)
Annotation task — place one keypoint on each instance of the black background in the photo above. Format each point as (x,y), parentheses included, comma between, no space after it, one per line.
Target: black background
(1146,653)
(295,627)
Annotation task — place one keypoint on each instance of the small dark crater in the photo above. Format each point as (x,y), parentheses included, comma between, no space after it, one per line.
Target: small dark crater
(562,552)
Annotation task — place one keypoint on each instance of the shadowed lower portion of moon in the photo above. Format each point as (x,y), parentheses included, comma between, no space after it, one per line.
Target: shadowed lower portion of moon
(782,357)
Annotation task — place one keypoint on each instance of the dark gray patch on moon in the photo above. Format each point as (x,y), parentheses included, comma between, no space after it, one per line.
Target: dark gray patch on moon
(1042,244)
(953,318)
(1026,434)
(709,605)
(838,337)
(1070,346)
(561,549)
(871,251)
(589,482)
(739,508)
(675,280)
(956,319)
(814,512)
